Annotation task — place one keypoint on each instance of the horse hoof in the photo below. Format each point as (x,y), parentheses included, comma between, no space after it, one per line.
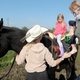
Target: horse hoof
(68,74)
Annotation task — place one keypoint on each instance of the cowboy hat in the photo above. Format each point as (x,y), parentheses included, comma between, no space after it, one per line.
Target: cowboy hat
(33,33)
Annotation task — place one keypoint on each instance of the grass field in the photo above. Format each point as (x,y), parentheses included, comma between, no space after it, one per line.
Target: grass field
(7,59)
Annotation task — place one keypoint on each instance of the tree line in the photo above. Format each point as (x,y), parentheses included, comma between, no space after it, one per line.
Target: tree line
(26,29)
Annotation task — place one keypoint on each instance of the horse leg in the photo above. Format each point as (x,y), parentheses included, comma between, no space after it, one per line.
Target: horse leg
(72,66)
(68,69)
(51,73)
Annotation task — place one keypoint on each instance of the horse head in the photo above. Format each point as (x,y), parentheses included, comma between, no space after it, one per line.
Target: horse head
(10,40)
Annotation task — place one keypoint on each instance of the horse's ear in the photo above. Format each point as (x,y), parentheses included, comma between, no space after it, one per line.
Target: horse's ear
(1,23)
(2,19)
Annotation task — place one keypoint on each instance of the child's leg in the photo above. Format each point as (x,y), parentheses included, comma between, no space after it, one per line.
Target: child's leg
(71,31)
(59,40)
(57,66)
(74,50)
(60,44)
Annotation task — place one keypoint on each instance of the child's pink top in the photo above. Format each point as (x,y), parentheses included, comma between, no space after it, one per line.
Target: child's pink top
(59,29)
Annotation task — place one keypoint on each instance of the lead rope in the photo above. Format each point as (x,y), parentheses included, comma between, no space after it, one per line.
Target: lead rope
(9,70)
(51,44)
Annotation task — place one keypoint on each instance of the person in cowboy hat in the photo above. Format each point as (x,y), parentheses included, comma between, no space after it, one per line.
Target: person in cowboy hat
(36,54)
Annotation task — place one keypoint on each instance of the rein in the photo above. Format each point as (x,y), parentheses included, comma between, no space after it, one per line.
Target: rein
(51,43)
(9,70)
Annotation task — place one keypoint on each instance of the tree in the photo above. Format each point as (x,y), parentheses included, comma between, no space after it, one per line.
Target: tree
(15,27)
(52,30)
(25,28)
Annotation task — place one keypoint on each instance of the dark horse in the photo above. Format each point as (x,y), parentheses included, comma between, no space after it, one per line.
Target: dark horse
(10,40)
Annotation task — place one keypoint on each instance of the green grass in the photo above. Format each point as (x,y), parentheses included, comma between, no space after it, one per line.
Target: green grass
(7,59)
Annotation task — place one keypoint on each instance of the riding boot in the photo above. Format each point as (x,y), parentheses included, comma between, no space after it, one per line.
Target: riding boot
(71,31)
(62,51)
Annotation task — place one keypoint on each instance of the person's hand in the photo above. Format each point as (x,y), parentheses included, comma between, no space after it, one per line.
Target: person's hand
(17,55)
(66,55)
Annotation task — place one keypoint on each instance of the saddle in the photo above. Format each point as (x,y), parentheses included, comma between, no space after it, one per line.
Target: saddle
(55,44)
(62,37)
(52,36)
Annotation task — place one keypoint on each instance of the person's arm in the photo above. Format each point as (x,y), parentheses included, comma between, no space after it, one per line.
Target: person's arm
(50,60)
(77,31)
(21,57)
(66,55)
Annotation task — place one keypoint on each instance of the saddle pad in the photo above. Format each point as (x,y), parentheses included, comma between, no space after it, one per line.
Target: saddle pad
(56,48)
(50,35)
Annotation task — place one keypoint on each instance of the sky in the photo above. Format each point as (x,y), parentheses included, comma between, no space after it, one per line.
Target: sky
(27,13)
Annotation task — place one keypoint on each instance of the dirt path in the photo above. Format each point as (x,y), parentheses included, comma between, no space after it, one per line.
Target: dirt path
(17,73)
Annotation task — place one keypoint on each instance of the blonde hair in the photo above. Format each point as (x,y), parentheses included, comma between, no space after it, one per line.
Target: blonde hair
(60,16)
(29,45)
(74,5)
